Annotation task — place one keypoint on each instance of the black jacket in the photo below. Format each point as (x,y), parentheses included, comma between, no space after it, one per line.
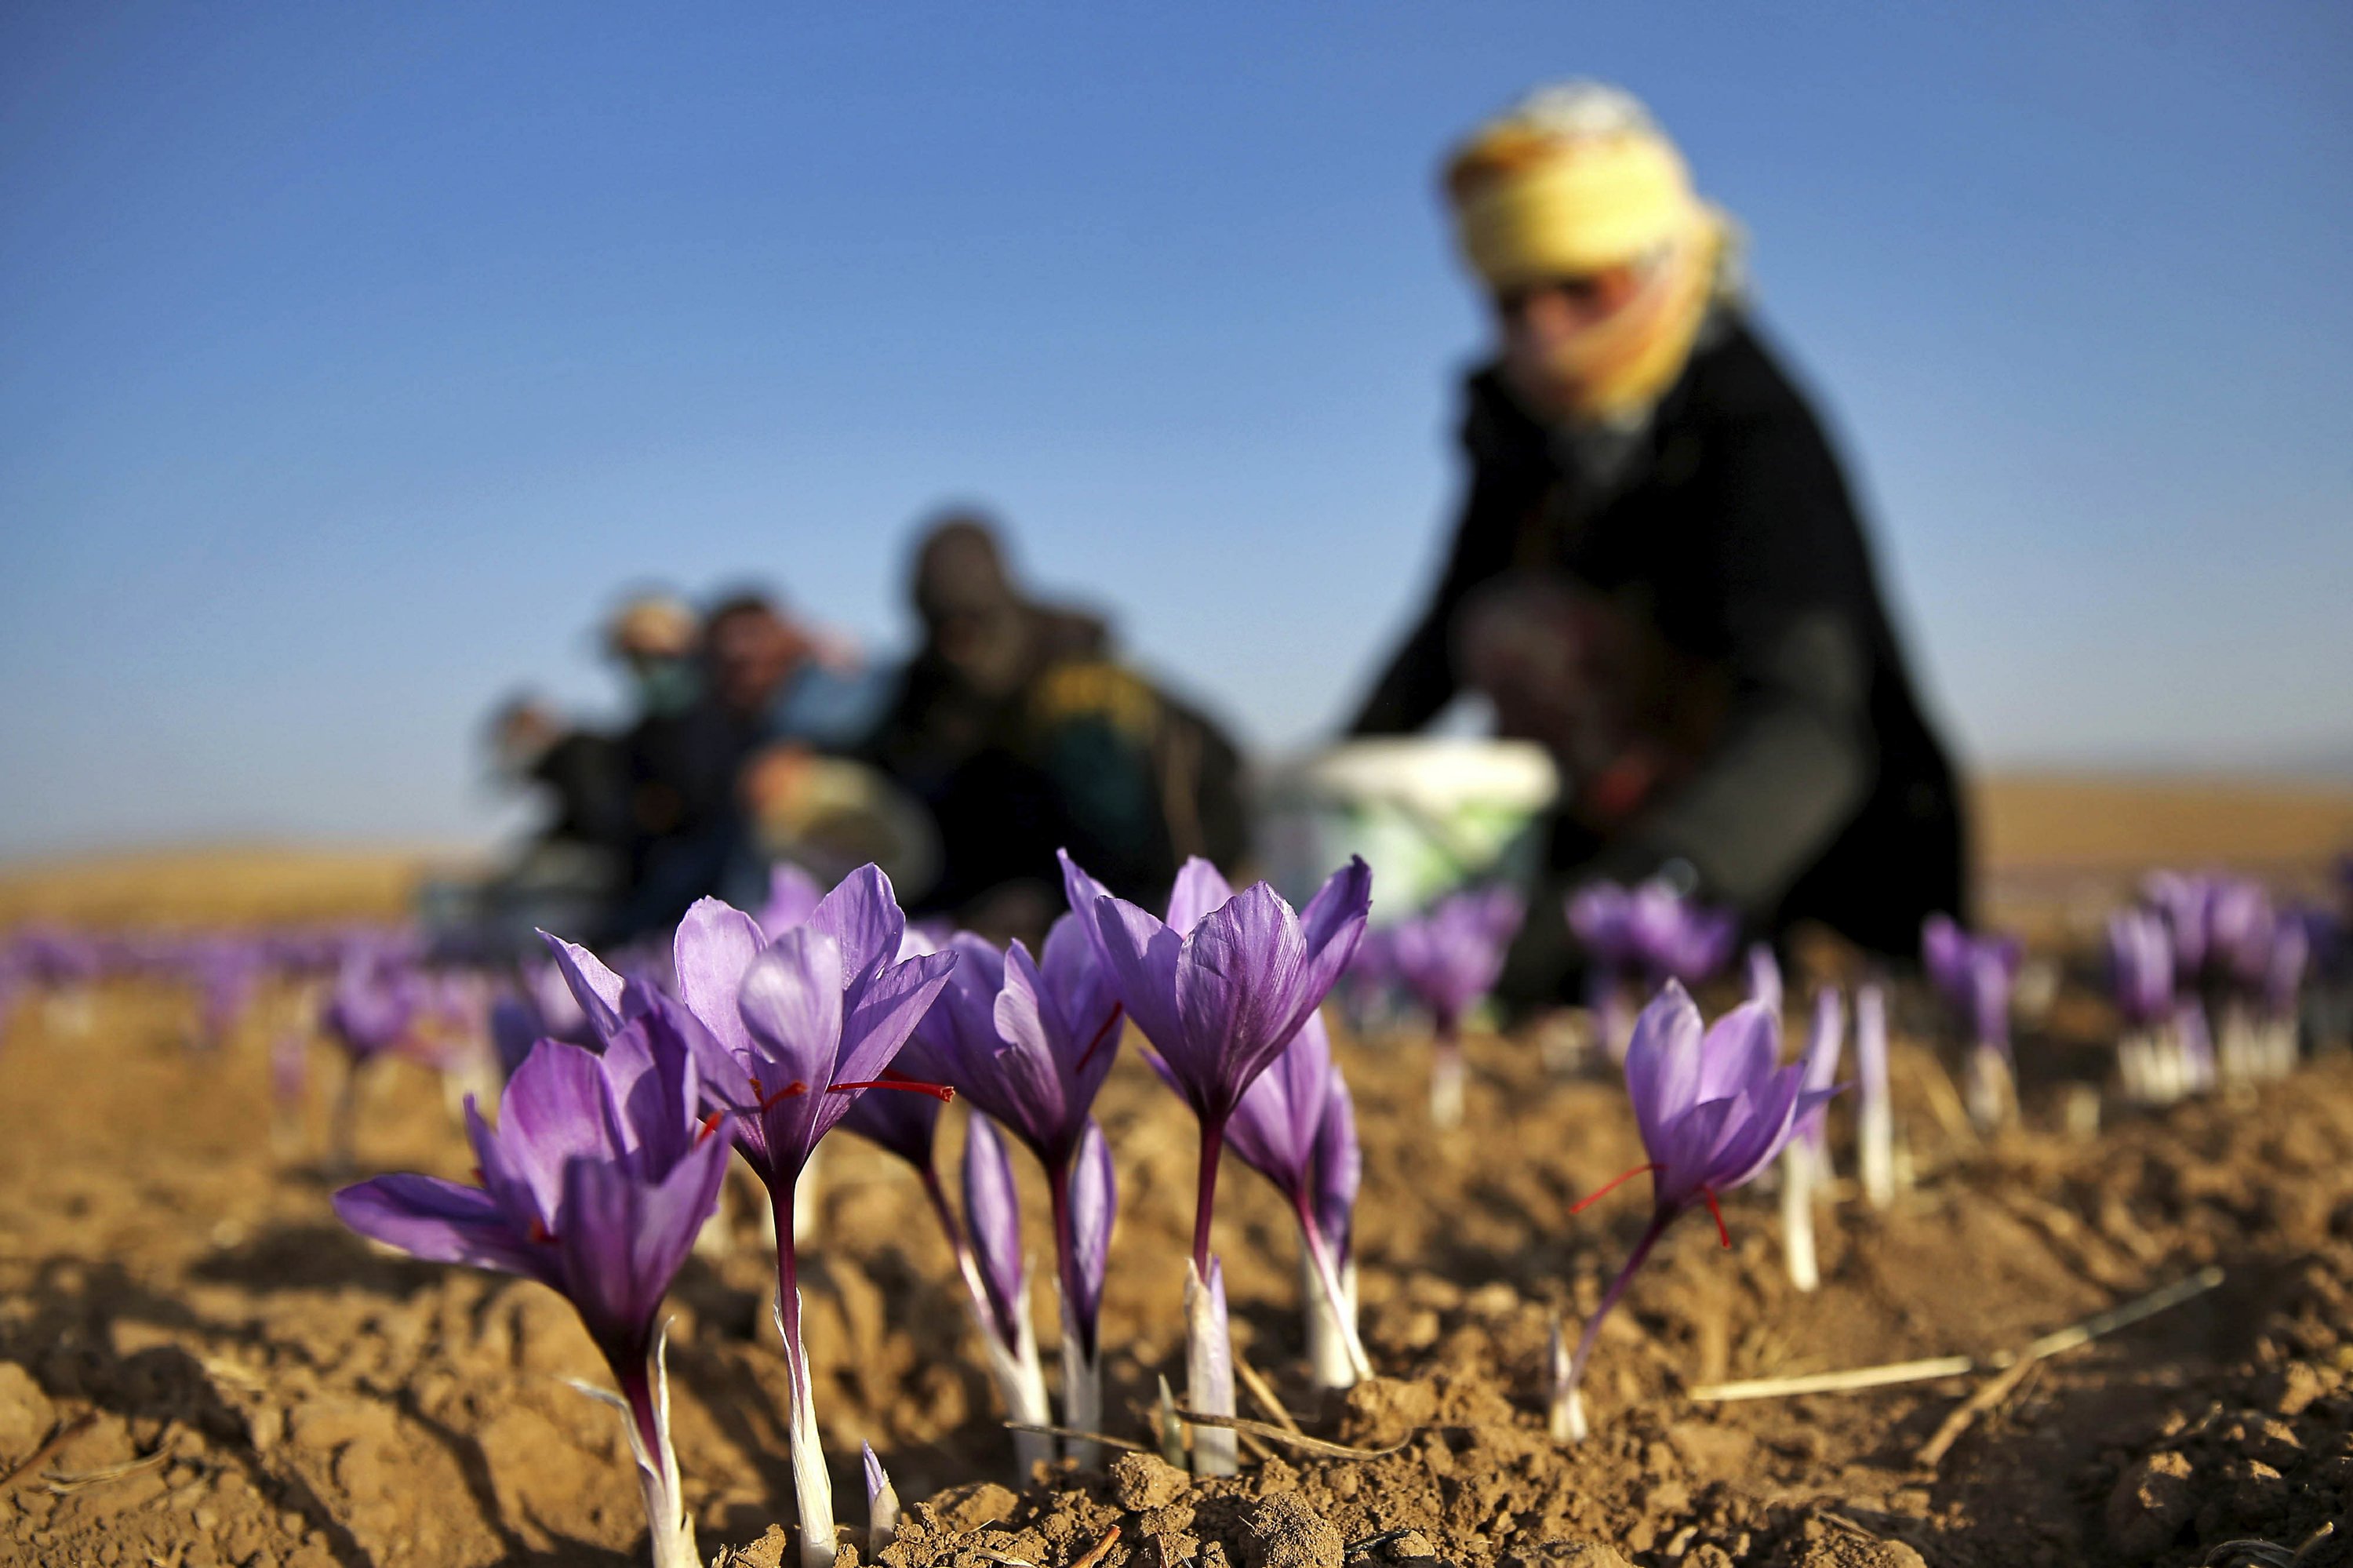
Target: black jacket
(1824,793)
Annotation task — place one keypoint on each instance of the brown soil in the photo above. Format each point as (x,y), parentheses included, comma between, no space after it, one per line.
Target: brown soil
(198,1367)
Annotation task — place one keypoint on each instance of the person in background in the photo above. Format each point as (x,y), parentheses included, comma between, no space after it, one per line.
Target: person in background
(534,746)
(1659,572)
(1019,729)
(765,690)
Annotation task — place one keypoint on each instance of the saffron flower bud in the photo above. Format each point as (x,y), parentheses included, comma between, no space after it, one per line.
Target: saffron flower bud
(882,1504)
(595,1181)
(992,1210)
(1030,1045)
(1296,1128)
(1714,1108)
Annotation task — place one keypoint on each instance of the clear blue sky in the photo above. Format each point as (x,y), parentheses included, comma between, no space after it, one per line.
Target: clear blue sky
(351,355)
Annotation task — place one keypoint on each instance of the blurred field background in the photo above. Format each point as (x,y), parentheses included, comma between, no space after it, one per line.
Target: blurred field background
(2055,853)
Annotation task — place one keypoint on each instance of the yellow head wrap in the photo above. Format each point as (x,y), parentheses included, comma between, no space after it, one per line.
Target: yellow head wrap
(1576,180)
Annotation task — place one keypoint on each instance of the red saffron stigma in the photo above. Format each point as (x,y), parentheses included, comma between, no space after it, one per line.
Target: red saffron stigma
(1721,1234)
(787,1092)
(710,1125)
(890,1080)
(1109,1030)
(540,1233)
(1596,1195)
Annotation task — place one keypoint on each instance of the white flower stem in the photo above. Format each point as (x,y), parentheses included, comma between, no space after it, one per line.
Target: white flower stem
(811,1486)
(1021,1380)
(1209,1371)
(644,1405)
(1797,1166)
(1082,1394)
(1327,1294)
(1447,1073)
(1988,1087)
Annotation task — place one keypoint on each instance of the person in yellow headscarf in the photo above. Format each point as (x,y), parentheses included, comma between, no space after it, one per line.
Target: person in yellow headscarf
(1659,572)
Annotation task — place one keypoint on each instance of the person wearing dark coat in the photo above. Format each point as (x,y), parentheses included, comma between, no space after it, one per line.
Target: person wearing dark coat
(1019,729)
(1659,572)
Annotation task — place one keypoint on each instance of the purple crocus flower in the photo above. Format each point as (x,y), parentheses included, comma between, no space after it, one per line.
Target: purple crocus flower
(793,1033)
(1448,958)
(1653,927)
(1714,1109)
(595,1181)
(1219,990)
(1221,987)
(1676,936)
(2140,966)
(1975,975)
(2185,902)
(373,1006)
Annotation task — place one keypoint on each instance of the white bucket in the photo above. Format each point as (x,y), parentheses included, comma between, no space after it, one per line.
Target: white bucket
(1429,815)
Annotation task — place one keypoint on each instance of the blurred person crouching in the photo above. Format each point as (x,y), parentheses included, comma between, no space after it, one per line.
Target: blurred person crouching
(717,745)
(1018,728)
(568,869)
(1659,572)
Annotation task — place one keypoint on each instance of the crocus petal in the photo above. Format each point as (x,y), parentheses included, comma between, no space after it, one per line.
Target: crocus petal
(1140,956)
(515,1028)
(1071,969)
(596,987)
(992,1214)
(1236,986)
(1330,926)
(1663,1064)
(554,1112)
(622,1238)
(440,1222)
(1200,887)
(715,944)
(1274,1126)
(1083,893)
(1030,1067)
(1684,1149)
(864,916)
(1095,1210)
(1339,1168)
(793,896)
(1738,1051)
(1765,1122)
(885,1014)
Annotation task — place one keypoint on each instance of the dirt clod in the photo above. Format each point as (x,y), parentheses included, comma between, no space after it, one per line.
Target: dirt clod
(1847,1550)
(26,1414)
(2150,1504)
(1283,1531)
(1143,1481)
